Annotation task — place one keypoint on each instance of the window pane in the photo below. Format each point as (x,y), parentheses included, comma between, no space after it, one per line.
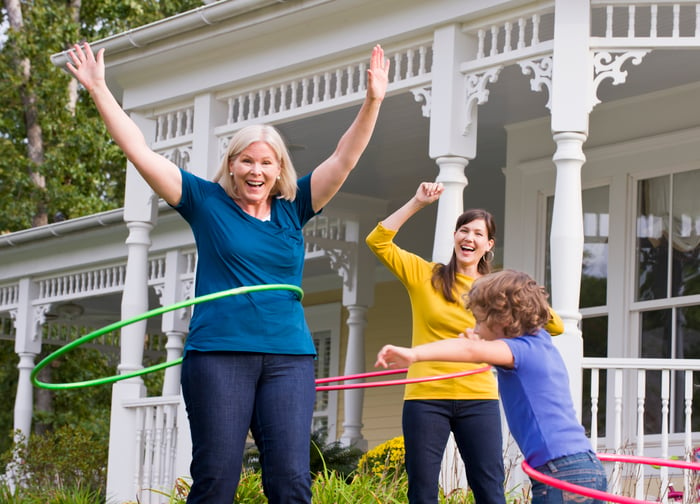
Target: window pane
(652,235)
(594,266)
(595,344)
(688,332)
(594,274)
(656,334)
(595,336)
(686,234)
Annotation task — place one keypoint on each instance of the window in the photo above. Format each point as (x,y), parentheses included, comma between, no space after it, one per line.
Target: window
(667,282)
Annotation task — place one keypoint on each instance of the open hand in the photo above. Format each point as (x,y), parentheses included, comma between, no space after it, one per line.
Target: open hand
(87,67)
(377,74)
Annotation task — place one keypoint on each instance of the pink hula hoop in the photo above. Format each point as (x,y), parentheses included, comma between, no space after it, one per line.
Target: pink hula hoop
(605,496)
(389,382)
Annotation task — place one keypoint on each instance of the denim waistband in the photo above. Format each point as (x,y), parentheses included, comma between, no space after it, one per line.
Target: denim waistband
(554,464)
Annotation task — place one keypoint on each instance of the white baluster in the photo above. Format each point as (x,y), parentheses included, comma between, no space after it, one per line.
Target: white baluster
(521,33)
(595,381)
(641,398)
(494,41)
(481,35)
(337,90)
(316,90)
(422,65)
(676,20)
(410,57)
(535,29)
(506,44)
(326,86)
(304,92)
(350,72)
(630,21)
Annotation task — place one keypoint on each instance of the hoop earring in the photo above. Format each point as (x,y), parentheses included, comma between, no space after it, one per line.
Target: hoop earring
(488,256)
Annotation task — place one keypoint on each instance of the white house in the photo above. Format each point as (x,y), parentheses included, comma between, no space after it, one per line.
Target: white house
(575,122)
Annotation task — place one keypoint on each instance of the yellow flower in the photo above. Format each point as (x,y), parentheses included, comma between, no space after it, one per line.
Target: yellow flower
(384,459)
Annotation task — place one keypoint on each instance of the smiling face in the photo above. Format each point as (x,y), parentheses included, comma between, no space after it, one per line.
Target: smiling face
(471,243)
(254,171)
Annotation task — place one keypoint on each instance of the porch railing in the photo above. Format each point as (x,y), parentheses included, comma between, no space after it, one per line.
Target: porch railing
(156,447)
(643,407)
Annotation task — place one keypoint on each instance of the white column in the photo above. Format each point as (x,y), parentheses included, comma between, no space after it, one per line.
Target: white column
(566,243)
(572,80)
(140,215)
(450,144)
(25,396)
(354,364)
(27,321)
(174,323)
(450,204)
(135,295)
(453,129)
(122,465)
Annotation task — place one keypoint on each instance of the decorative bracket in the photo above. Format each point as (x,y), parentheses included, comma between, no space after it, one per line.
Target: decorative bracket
(608,65)
(38,318)
(186,293)
(423,95)
(477,94)
(342,261)
(541,71)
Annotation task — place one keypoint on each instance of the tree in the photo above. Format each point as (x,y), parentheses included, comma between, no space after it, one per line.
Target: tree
(56,158)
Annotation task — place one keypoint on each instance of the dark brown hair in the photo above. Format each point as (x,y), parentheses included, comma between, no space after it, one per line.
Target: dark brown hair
(511,299)
(444,275)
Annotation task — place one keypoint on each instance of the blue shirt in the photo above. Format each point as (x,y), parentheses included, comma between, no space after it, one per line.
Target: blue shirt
(537,401)
(235,249)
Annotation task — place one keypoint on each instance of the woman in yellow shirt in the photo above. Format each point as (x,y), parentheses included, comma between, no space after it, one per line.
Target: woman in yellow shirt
(467,407)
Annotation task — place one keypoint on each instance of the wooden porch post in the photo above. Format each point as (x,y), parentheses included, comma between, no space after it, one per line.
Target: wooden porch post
(572,76)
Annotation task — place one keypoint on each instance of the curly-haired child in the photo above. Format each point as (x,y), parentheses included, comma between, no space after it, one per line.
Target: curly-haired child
(511,310)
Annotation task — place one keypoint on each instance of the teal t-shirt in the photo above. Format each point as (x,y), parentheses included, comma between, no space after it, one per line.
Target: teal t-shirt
(235,249)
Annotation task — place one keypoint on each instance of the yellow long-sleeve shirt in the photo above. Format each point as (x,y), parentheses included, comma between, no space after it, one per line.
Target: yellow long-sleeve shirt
(434,318)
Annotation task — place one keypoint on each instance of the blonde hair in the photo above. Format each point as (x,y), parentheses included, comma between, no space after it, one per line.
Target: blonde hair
(286,185)
(511,299)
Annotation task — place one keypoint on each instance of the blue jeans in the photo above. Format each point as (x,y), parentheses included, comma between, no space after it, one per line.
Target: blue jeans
(227,393)
(476,425)
(583,469)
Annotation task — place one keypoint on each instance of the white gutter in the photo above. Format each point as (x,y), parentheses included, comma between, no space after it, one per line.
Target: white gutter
(56,229)
(101,219)
(194,19)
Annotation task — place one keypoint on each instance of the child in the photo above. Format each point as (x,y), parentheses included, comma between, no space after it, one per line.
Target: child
(510,310)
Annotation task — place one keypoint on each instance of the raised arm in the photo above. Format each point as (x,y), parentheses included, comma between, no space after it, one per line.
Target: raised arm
(427,193)
(161,174)
(331,174)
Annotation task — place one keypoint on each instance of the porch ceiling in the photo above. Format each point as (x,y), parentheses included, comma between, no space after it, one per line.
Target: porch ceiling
(397,157)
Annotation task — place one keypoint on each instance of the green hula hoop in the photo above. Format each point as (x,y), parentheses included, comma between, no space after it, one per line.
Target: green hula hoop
(149,314)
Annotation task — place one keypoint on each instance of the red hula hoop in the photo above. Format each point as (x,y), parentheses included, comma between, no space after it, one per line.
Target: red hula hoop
(361,375)
(605,496)
(390,382)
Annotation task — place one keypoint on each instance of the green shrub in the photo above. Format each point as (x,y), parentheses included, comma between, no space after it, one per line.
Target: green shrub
(66,465)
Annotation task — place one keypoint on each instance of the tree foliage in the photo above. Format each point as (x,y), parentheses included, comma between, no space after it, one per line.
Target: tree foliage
(56,159)
(81,171)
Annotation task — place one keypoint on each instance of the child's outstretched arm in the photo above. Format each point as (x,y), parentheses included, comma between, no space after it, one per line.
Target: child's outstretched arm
(467,348)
